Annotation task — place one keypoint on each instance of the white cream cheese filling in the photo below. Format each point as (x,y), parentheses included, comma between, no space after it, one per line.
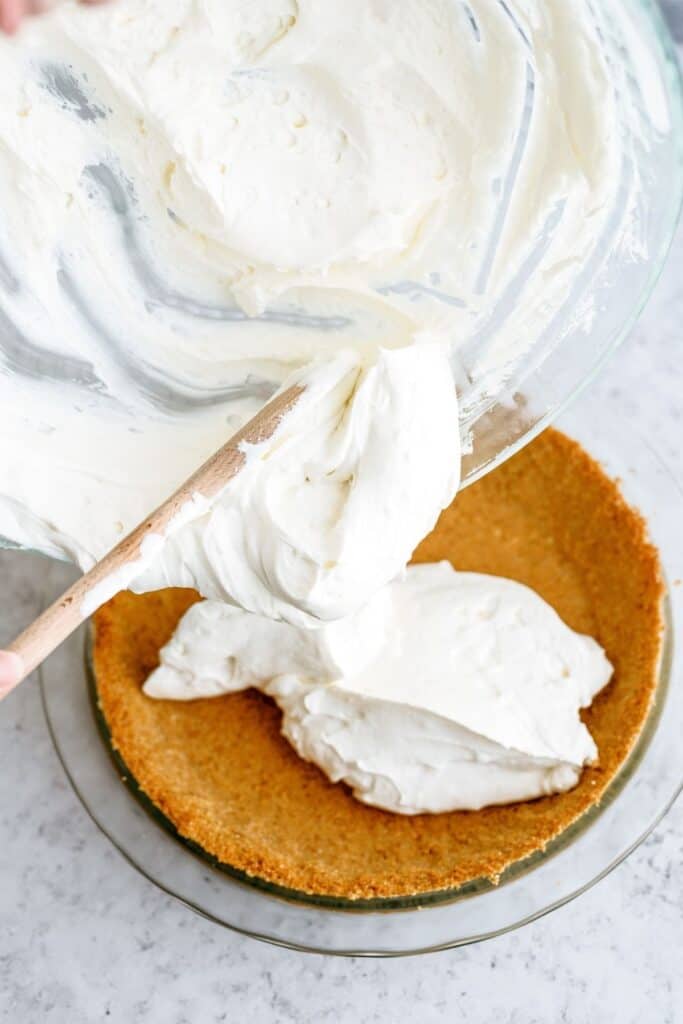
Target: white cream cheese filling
(447,691)
(331,508)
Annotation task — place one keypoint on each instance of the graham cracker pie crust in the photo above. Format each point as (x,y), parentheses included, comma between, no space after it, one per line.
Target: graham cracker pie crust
(225,778)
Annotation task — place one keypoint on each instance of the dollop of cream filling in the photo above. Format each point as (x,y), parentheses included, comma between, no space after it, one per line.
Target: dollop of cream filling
(330,509)
(447,691)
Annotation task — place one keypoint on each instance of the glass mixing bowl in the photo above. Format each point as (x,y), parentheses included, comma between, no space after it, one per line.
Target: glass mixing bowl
(636,800)
(497,415)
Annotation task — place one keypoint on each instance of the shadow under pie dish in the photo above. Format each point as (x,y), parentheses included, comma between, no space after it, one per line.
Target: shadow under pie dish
(221,776)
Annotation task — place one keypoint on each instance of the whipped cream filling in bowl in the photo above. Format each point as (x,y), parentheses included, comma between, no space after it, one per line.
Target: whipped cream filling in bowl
(201,199)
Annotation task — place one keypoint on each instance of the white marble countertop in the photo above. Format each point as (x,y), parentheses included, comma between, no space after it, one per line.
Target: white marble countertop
(84,938)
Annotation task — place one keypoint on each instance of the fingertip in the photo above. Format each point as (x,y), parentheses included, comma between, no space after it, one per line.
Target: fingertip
(11,14)
(8,24)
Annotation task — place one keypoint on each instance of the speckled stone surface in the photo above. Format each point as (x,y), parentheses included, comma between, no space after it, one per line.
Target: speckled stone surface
(84,938)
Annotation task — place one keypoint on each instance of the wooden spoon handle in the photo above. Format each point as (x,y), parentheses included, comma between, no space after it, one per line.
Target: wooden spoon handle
(108,577)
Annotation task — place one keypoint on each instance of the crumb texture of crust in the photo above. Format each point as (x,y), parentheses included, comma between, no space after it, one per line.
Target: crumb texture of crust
(226,779)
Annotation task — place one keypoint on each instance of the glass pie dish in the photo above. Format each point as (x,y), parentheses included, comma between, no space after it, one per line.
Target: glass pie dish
(640,794)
